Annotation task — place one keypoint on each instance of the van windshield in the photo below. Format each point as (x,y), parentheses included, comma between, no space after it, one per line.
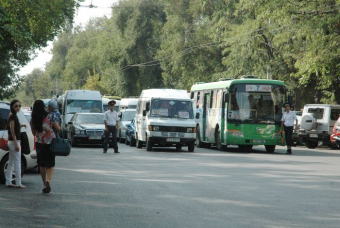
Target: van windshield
(84,106)
(171,108)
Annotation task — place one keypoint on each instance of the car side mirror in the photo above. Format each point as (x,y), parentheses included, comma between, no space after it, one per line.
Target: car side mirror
(71,123)
(197,115)
(144,112)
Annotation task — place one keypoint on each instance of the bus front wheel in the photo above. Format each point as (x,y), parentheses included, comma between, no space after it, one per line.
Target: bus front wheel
(270,148)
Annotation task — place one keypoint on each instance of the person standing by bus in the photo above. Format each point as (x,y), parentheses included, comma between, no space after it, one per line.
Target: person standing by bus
(111,121)
(287,120)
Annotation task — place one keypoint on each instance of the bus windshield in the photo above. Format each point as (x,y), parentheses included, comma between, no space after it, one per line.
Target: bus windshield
(256,103)
(84,106)
(171,109)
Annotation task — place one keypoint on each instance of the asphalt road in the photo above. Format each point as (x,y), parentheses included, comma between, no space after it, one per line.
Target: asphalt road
(167,188)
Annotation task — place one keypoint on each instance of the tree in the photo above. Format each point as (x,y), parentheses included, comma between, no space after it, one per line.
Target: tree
(25,26)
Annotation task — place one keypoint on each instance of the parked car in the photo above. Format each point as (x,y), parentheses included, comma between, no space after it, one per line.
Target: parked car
(126,116)
(317,124)
(28,161)
(335,136)
(86,128)
(130,134)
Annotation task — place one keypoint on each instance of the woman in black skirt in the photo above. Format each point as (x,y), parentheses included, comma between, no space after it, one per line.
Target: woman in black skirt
(42,128)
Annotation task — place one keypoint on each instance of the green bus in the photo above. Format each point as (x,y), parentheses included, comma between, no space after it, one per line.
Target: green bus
(243,112)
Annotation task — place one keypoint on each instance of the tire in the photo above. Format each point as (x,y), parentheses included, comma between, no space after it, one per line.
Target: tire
(199,143)
(270,148)
(148,145)
(245,148)
(3,167)
(139,144)
(191,147)
(121,140)
(311,144)
(218,140)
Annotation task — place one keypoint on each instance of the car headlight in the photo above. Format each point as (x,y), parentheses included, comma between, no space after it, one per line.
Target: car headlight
(191,129)
(79,132)
(153,128)
(236,133)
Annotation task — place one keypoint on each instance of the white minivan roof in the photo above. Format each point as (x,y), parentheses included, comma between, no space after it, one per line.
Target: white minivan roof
(83,95)
(164,93)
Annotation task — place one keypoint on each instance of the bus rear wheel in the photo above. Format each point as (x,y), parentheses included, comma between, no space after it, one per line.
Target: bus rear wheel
(270,148)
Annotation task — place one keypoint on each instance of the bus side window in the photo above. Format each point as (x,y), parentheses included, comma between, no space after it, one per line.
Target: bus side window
(198,100)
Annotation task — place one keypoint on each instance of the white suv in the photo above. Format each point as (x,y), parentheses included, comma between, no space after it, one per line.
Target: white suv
(28,161)
(317,124)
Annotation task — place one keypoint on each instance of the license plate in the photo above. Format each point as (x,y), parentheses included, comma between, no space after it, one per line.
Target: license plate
(172,139)
(259,141)
(95,137)
(313,135)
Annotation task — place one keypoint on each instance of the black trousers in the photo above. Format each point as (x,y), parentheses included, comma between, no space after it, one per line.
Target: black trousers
(113,130)
(289,135)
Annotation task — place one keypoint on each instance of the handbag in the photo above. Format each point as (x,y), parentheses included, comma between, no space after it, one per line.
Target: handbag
(3,143)
(60,146)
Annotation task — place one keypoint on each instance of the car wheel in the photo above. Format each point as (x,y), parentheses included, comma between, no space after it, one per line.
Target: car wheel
(139,144)
(3,169)
(311,144)
(270,148)
(148,145)
(191,147)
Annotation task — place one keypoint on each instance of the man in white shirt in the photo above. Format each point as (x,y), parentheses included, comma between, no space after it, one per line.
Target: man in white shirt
(288,119)
(111,126)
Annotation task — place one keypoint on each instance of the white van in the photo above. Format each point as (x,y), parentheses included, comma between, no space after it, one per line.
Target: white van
(317,124)
(164,117)
(106,104)
(29,160)
(128,103)
(79,101)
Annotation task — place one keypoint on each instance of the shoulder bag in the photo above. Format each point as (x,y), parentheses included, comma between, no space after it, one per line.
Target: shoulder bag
(60,146)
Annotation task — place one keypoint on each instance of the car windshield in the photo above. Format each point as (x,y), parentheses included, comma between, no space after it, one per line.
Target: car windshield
(90,119)
(171,108)
(128,115)
(84,106)
(256,103)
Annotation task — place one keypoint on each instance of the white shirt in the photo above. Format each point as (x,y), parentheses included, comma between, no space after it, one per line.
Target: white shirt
(111,118)
(289,118)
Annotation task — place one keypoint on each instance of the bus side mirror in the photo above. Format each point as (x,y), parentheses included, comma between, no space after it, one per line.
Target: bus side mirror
(144,112)
(226,97)
(197,115)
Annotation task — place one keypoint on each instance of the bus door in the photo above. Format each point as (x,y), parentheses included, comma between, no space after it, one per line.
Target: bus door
(224,120)
(206,106)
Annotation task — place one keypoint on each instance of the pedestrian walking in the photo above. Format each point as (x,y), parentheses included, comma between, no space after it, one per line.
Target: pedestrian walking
(111,126)
(14,136)
(42,124)
(287,121)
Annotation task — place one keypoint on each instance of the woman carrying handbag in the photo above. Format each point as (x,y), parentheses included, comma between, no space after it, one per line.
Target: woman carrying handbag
(42,125)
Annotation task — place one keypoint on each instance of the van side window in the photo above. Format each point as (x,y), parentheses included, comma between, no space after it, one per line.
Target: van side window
(335,114)
(4,113)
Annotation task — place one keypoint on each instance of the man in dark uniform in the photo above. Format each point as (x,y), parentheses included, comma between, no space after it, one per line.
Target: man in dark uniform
(111,121)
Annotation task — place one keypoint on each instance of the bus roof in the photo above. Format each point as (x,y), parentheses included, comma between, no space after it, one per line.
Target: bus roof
(226,84)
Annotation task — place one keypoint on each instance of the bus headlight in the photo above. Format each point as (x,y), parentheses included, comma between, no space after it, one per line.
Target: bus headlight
(191,129)
(236,133)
